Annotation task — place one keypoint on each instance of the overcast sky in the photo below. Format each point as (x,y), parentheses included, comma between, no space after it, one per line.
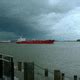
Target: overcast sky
(40,19)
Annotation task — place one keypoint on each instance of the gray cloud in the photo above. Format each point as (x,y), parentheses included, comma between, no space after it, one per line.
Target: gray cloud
(7,36)
(63,6)
(37,18)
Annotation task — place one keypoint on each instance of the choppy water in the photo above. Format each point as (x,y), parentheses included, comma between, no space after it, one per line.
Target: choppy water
(60,55)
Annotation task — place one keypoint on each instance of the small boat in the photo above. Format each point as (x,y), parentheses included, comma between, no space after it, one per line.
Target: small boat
(24,41)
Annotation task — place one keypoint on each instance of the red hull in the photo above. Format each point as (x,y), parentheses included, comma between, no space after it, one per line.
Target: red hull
(36,42)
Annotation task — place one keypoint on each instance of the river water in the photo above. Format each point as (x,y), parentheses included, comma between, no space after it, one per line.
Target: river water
(64,56)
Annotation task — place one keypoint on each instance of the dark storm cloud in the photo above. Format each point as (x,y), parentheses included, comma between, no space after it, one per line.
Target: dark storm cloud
(17,26)
(11,21)
(35,18)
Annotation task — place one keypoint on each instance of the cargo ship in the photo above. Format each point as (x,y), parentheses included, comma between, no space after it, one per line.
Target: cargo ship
(24,41)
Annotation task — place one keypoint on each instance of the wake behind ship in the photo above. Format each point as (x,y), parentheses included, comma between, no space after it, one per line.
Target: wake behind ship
(24,41)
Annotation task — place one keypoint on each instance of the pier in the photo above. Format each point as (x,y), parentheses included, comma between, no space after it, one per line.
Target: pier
(29,70)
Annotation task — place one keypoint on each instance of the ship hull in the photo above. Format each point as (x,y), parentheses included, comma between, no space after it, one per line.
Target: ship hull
(36,42)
